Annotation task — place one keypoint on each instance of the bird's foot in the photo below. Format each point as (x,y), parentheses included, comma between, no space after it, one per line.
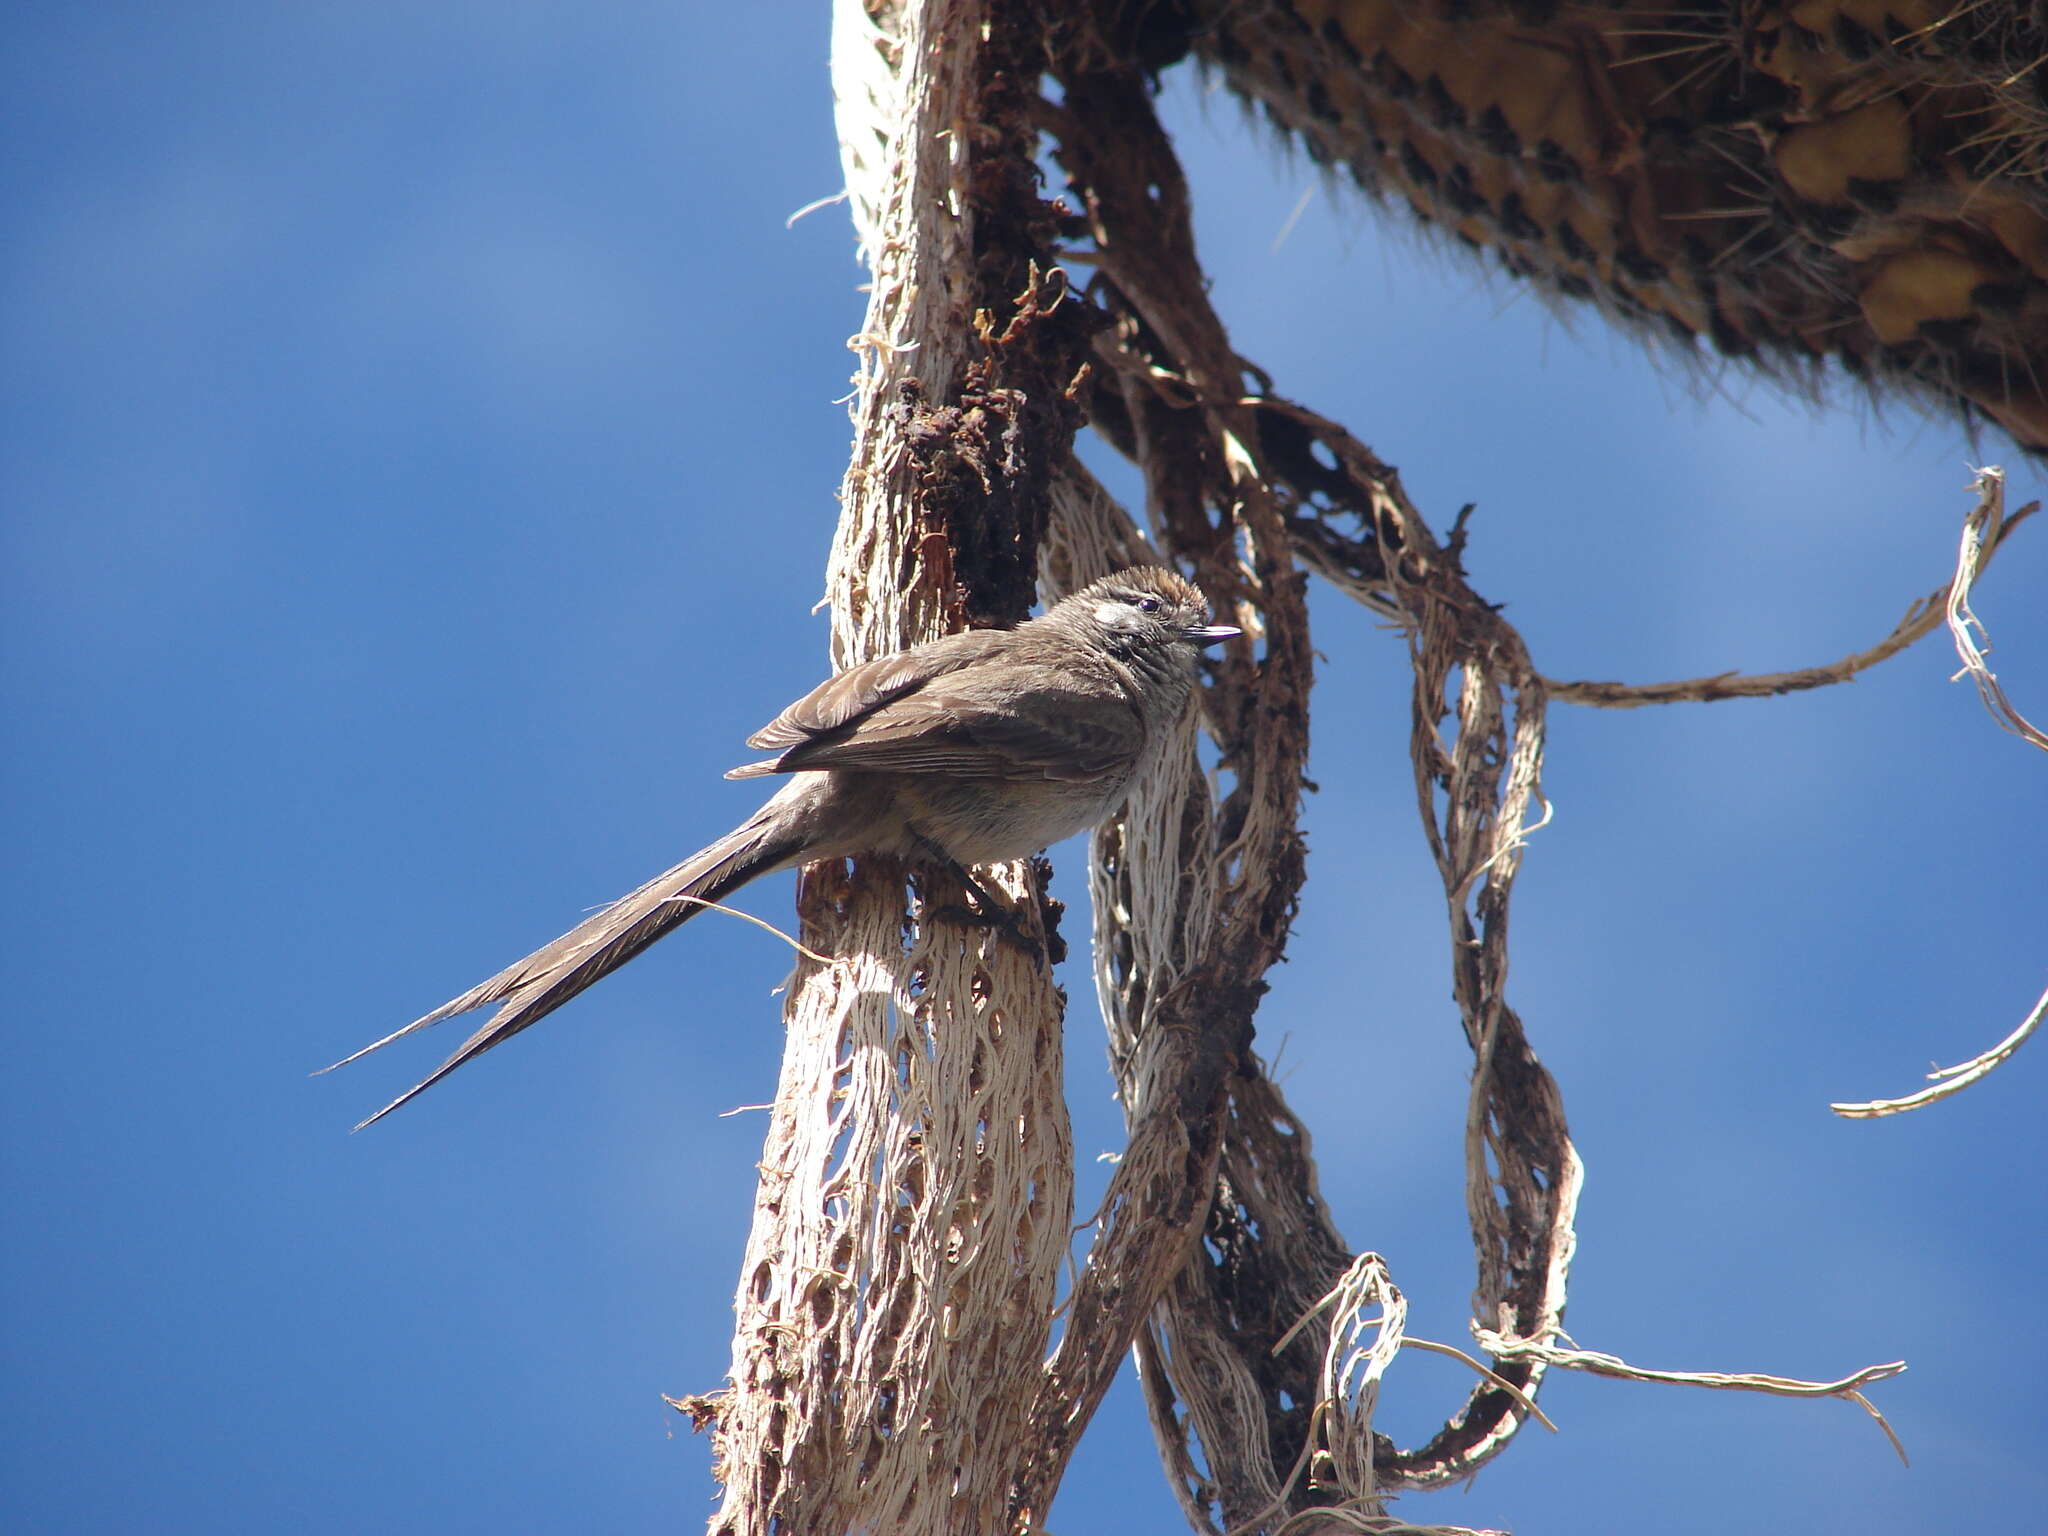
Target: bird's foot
(1005,924)
(988,911)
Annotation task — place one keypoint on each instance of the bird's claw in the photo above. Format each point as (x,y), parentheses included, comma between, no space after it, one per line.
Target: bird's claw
(1004,922)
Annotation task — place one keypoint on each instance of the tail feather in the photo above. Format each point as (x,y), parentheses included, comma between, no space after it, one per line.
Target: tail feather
(536,986)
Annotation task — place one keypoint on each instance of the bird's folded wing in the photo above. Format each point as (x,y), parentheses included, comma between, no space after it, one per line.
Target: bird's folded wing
(838,702)
(976,724)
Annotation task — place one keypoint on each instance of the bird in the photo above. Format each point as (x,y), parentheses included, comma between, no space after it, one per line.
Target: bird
(983,746)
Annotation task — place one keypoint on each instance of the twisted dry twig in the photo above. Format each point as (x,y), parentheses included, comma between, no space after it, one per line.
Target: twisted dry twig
(1984,529)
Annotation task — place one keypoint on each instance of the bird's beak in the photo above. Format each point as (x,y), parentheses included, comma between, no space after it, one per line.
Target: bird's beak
(1209,634)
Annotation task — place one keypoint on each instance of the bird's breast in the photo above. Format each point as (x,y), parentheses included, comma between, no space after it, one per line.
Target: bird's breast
(976,826)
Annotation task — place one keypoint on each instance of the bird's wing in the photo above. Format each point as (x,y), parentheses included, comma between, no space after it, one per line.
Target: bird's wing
(840,702)
(970,724)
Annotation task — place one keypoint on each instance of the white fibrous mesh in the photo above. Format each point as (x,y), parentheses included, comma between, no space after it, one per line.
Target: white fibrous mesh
(916,1186)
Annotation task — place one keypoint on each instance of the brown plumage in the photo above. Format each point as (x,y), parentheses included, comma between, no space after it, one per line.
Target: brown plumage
(979,747)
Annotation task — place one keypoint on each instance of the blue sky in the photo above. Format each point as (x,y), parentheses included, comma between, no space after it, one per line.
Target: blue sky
(419,450)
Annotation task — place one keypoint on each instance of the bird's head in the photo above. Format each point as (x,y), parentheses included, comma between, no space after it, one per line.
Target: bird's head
(1143,608)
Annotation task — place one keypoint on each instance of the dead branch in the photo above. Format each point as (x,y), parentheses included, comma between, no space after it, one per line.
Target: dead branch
(1220,1349)
(1193,893)
(1922,619)
(916,1181)
(1984,529)
(1949,1081)
(1596,1364)
(1477,783)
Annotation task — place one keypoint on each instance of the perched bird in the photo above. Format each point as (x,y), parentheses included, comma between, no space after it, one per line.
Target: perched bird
(983,746)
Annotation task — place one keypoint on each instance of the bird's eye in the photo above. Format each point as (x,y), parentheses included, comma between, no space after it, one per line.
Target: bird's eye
(1148,604)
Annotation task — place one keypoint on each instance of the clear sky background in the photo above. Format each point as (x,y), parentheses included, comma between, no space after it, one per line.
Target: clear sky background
(420,438)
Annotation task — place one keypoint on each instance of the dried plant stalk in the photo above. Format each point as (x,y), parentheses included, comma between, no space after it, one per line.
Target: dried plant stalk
(1522,1173)
(1984,529)
(1220,1356)
(1849,1388)
(916,1186)
(1949,1081)
(1193,893)
(1922,619)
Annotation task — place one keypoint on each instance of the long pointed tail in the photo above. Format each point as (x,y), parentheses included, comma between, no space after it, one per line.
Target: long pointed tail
(536,986)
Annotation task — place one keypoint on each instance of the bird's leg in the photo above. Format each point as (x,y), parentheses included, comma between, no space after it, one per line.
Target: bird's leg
(988,911)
